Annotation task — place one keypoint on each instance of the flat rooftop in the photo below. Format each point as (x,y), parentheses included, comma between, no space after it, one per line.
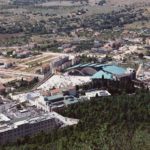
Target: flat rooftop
(52,115)
(16,112)
(64,81)
(60,99)
(31,120)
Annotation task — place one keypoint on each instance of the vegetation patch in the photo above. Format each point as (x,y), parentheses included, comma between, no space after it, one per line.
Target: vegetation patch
(117,122)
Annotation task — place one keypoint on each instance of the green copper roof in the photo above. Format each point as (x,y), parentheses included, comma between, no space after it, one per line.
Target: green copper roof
(116,70)
(101,74)
(70,100)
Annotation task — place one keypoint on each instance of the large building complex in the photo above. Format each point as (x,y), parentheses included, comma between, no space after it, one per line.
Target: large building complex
(63,62)
(99,71)
(18,120)
(84,73)
(46,103)
(33,112)
(51,103)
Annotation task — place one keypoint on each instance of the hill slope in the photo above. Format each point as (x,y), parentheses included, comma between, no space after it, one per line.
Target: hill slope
(116,123)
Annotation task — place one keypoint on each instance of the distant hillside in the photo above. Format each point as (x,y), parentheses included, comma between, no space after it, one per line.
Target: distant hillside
(111,2)
(126,1)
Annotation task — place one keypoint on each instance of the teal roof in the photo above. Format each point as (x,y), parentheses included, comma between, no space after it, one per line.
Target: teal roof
(70,100)
(54,97)
(85,65)
(73,67)
(114,69)
(92,65)
(101,65)
(60,98)
(100,74)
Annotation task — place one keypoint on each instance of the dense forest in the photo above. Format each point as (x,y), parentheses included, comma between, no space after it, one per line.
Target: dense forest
(109,123)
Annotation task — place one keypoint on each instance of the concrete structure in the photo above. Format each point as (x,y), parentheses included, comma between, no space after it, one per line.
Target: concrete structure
(57,63)
(45,103)
(63,62)
(96,93)
(13,131)
(55,102)
(144,78)
(63,81)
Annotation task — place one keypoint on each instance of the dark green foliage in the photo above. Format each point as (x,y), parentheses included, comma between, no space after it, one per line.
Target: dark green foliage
(110,123)
(102,2)
(14,40)
(84,45)
(27,2)
(85,59)
(114,19)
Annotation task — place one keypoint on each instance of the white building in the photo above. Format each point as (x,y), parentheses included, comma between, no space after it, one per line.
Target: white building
(11,132)
(63,81)
(96,93)
(45,103)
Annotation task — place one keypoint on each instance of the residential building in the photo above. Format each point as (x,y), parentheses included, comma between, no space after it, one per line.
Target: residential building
(13,131)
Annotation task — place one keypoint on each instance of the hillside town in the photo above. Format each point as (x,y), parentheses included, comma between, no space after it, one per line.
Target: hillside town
(64,61)
(67,80)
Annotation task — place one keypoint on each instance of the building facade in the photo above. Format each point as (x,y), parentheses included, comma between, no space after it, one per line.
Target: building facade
(12,131)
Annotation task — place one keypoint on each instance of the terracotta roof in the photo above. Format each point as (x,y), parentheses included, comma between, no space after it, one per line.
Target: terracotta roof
(2,87)
(55,91)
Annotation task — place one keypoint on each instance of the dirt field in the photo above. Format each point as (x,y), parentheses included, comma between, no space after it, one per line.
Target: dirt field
(25,67)
(32,63)
(9,36)
(127,2)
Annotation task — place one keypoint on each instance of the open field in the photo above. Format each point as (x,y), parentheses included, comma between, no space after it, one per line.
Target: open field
(138,25)
(33,62)
(25,67)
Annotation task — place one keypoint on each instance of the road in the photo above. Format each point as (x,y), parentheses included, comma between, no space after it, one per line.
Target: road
(19,74)
(47,55)
(139,70)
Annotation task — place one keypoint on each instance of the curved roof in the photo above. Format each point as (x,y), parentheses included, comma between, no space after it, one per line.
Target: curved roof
(92,65)
(76,72)
(88,71)
(97,70)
